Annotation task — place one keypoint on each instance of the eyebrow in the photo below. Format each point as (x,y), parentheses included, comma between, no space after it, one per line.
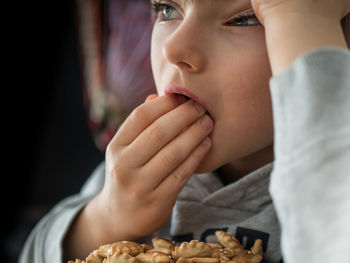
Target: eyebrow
(187,2)
(184,2)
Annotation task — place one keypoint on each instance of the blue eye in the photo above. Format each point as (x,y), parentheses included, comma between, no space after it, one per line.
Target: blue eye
(165,12)
(168,12)
(244,20)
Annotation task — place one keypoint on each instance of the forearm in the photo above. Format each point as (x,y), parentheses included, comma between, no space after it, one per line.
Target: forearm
(310,183)
(290,35)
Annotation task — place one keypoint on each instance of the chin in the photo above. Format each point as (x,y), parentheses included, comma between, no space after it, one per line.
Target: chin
(208,164)
(203,170)
(206,168)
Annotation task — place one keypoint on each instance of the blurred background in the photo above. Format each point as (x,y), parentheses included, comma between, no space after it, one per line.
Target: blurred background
(72,76)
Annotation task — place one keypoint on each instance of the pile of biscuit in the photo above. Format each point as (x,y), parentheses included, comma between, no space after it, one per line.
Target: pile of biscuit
(228,250)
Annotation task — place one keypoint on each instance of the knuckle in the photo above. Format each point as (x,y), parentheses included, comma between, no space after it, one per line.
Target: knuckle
(170,158)
(113,153)
(138,114)
(135,194)
(116,174)
(179,175)
(155,133)
(109,150)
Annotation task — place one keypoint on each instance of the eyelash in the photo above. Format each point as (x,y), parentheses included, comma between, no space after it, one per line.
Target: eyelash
(244,16)
(159,7)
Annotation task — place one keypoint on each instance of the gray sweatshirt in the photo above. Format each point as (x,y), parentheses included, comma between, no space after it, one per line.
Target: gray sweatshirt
(308,185)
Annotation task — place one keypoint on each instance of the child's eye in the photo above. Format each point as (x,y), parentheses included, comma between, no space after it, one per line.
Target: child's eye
(165,11)
(244,20)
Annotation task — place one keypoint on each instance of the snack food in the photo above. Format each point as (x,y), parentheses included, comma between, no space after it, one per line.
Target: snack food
(228,250)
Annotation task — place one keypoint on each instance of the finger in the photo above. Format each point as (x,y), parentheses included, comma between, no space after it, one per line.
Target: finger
(177,151)
(164,130)
(143,116)
(151,97)
(173,184)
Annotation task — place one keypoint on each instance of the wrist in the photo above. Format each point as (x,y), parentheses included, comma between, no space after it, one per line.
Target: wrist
(89,230)
(104,226)
(290,35)
(108,226)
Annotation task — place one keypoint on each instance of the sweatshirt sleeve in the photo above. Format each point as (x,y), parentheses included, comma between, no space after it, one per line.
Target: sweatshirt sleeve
(44,243)
(310,182)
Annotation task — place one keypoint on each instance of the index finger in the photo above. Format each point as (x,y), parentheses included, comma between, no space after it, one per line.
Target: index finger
(144,115)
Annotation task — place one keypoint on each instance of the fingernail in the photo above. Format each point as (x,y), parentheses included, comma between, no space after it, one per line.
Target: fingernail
(151,97)
(207,122)
(205,142)
(199,107)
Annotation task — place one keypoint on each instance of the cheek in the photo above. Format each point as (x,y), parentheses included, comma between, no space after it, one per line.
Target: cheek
(245,113)
(156,58)
(247,69)
(160,68)
(249,98)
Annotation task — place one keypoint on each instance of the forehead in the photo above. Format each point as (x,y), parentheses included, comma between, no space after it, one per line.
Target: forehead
(214,4)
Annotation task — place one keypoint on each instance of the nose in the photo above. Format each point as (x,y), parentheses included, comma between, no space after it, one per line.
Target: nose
(185,47)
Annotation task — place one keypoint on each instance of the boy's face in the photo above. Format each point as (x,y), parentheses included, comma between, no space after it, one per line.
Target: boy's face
(201,49)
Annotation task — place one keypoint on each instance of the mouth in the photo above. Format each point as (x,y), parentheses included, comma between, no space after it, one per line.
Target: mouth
(172,89)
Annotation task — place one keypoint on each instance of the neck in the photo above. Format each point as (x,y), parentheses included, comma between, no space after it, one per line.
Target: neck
(237,169)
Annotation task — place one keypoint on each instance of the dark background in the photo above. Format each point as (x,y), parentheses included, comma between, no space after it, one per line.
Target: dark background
(49,149)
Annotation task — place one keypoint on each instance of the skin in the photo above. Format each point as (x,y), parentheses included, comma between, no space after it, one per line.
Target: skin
(166,139)
(238,99)
(287,22)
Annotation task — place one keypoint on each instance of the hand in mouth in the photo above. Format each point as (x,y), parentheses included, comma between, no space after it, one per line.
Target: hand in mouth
(181,91)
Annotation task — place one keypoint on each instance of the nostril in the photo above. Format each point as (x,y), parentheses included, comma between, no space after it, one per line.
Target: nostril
(185,66)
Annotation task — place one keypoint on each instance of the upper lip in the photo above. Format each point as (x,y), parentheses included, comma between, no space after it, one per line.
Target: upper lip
(174,89)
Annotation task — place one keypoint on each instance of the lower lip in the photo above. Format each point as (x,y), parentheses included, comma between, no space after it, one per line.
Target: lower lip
(172,89)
